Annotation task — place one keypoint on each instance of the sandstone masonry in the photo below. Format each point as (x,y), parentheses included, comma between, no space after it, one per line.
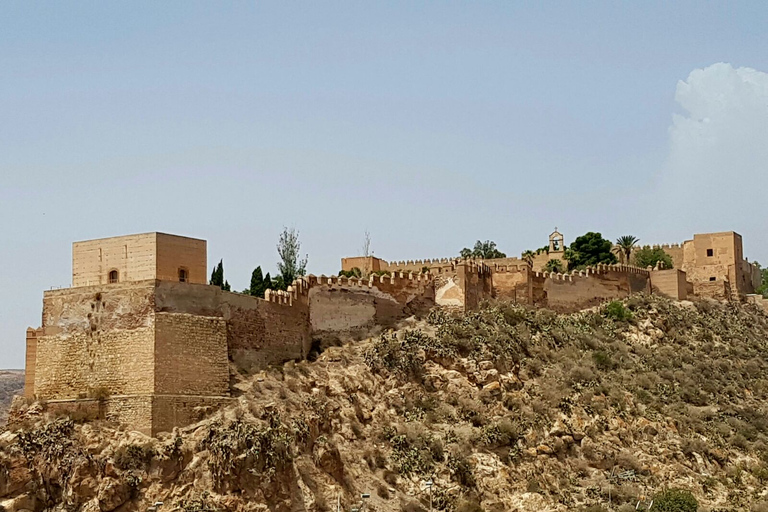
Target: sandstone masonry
(141,339)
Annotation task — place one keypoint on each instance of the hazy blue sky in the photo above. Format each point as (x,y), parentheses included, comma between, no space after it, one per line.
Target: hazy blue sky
(431,125)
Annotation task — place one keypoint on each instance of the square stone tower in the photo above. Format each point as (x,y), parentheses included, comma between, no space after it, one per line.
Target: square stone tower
(140,257)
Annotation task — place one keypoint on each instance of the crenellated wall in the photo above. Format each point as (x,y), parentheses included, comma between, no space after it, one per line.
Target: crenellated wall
(341,307)
(156,353)
(463,284)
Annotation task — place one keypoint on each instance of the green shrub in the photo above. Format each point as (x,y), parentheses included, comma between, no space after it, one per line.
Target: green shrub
(602,360)
(675,500)
(616,310)
(355,272)
(400,356)
(134,456)
(649,257)
(555,266)
(461,471)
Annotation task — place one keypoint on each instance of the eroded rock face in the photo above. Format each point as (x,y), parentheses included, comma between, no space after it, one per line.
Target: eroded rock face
(112,494)
(535,434)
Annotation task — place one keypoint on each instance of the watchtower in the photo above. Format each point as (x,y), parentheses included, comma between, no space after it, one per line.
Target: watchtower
(140,257)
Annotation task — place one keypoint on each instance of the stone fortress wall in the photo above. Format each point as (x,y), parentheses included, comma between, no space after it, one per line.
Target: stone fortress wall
(153,352)
(156,349)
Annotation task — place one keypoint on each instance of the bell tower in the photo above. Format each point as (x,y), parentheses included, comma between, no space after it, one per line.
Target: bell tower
(556,242)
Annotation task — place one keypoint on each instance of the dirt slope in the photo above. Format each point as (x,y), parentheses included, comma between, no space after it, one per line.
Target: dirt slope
(504,409)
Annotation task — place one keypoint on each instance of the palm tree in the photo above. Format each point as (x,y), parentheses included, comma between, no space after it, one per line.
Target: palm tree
(624,246)
(528,257)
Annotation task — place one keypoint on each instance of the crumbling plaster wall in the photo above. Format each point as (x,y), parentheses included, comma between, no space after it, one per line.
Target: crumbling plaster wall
(341,307)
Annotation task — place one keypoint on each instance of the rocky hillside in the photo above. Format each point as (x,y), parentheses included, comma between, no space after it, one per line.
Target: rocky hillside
(11,384)
(505,409)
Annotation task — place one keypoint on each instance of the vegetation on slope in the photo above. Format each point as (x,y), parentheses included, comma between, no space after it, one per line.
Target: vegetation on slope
(503,409)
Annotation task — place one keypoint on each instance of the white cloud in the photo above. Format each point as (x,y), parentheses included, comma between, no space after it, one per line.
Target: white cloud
(716,175)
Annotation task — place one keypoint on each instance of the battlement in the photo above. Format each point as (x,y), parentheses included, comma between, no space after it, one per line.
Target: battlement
(600,268)
(524,267)
(142,322)
(663,246)
(394,278)
(411,263)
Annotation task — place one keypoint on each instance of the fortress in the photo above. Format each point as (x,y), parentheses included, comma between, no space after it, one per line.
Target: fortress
(141,338)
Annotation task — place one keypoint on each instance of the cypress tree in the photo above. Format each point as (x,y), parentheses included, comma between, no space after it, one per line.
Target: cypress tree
(257,283)
(217,276)
(226,286)
(267,283)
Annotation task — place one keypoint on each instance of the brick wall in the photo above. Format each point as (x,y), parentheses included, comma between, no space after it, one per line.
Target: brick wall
(73,365)
(258,332)
(190,355)
(96,337)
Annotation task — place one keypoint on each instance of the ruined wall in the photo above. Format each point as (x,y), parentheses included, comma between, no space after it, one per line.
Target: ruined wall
(718,289)
(175,252)
(576,291)
(341,307)
(512,283)
(477,282)
(96,337)
(139,258)
(759,301)
(29,364)
(670,283)
(463,285)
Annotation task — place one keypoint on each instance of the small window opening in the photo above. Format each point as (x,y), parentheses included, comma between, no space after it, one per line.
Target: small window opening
(113,276)
(710,252)
(183,275)
(713,279)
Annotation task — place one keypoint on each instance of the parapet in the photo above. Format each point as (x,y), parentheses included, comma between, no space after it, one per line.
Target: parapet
(600,268)
(663,246)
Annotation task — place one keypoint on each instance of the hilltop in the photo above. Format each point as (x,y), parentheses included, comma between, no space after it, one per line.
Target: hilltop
(505,408)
